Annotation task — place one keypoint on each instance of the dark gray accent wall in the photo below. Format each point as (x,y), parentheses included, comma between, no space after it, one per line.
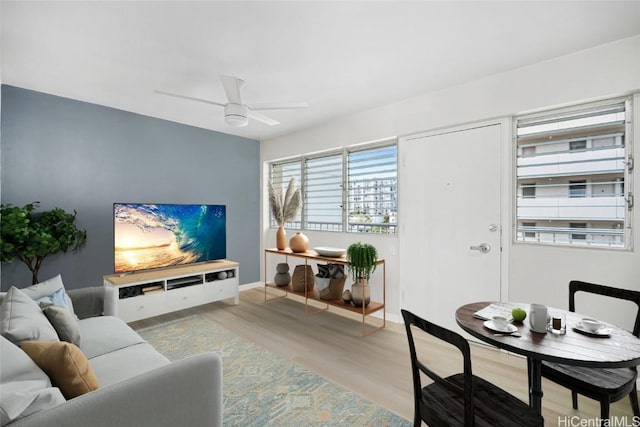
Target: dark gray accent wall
(75,155)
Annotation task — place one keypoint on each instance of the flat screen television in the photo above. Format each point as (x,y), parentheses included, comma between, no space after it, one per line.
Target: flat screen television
(150,236)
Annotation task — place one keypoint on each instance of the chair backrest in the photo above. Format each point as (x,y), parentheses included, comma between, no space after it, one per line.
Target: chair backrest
(419,365)
(608,291)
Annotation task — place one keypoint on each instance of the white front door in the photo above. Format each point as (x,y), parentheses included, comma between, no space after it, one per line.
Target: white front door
(450,221)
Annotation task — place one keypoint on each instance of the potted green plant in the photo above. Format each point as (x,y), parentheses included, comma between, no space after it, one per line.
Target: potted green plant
(30,237)
(284,208)
(362,259)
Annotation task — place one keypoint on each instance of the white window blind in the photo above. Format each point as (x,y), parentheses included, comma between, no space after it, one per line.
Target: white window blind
(573,167)
(281,174)
(323,193)
(372,203)
(353,190)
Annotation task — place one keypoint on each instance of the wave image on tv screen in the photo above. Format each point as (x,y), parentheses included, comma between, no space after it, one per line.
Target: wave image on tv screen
(160,235)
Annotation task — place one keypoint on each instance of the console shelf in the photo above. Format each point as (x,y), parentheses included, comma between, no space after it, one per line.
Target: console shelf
(311,295)
(151,293)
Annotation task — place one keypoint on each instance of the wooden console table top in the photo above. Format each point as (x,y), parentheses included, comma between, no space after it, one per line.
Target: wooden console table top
(311,254)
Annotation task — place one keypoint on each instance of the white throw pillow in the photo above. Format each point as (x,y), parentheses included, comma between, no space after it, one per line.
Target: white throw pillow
(51,292)
(26,389)
(21,319)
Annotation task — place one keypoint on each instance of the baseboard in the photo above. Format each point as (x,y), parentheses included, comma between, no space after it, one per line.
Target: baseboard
(248,286)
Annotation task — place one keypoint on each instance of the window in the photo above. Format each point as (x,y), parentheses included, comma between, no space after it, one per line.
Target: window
(353,190)
(573,169)
(528,229)
(578,188)
(323,193)
(578,226)
(528,191)
(372,191)
(281,174)
(577,145)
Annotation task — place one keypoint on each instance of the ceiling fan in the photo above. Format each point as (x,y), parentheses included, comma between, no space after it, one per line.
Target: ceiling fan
(235,112)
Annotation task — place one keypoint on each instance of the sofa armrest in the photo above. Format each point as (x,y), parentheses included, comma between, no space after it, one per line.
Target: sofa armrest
(94,301)
(183,393)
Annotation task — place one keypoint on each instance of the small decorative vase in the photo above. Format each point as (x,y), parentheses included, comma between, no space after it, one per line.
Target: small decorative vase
(281,239)
(282,277)
(361,291)
(346,296)
(299,242)
(303,279)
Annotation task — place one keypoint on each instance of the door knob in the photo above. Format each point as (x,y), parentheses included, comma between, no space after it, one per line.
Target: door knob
(482,247)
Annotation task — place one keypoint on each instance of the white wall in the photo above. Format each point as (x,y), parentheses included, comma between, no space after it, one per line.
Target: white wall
(534,273)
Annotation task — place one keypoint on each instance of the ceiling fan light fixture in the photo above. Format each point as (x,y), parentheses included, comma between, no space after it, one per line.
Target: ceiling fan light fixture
(236,115)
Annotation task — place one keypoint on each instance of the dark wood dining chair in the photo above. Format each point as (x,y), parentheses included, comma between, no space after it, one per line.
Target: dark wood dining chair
(461,399)
(604,385)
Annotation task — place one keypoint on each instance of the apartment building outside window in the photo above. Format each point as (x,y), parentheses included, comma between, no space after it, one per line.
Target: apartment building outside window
(352,190)
(573,169)
(578,188)
(372,202)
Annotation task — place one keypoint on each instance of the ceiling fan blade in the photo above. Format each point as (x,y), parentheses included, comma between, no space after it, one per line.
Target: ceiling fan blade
(177,95)
(232,87)
(262,118)
(278,106)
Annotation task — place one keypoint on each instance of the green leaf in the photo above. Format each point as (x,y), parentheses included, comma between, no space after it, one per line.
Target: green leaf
(30,237)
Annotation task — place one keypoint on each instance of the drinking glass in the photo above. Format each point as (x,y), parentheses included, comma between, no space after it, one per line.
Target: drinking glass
(558,322)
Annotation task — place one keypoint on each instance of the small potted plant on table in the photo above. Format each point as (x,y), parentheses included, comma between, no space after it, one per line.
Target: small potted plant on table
(362,258)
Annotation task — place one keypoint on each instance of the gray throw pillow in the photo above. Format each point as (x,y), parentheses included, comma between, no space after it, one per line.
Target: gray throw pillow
(64,323)
(21,319)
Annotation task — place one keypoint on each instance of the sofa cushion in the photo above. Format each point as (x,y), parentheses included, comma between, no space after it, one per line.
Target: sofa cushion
(22,319)
(125,363)
(65,365)
(50,291)
(25,389)
(64,323)
(104,334)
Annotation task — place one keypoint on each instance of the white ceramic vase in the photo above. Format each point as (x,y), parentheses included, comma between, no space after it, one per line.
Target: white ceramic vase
(360,291)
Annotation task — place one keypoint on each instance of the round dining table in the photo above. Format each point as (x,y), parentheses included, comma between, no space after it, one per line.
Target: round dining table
(617,349)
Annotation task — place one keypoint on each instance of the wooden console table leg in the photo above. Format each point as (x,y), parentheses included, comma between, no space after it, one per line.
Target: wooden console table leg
(307,310)
(266,299)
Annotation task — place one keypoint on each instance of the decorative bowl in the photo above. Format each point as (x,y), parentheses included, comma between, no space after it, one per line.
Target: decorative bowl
(330,252)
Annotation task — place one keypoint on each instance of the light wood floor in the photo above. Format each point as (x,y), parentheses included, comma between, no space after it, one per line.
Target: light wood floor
(376,367)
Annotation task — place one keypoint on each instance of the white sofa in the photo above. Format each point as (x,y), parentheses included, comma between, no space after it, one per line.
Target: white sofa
(137,385)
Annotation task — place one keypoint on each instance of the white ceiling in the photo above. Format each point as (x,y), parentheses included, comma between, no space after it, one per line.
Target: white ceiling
(339,56)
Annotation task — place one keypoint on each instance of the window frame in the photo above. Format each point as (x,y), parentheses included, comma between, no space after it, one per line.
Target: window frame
(344,206)
(622,187)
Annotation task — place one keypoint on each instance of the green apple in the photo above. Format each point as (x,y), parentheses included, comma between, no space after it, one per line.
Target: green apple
(518,314)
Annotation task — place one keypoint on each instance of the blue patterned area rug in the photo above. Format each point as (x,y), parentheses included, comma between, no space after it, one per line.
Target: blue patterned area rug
(262,388)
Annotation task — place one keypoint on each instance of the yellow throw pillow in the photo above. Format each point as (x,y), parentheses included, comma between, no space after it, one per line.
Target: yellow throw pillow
(65,364)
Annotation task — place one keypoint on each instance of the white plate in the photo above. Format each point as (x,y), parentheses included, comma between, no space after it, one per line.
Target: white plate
(508,329)
(602,332)
(330,252)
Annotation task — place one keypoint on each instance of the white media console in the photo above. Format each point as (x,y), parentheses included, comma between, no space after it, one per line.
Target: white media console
(154,292)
